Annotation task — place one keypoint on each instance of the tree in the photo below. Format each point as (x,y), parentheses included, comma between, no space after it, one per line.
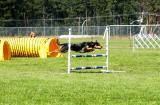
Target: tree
(117,11)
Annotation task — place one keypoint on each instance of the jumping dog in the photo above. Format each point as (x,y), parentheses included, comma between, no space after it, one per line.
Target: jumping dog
(81,47)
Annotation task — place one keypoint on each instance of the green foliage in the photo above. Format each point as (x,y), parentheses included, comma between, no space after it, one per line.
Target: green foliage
(40,9)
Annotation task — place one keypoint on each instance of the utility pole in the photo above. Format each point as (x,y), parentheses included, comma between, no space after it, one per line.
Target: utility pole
(44,21)
(86,22)
(79,24)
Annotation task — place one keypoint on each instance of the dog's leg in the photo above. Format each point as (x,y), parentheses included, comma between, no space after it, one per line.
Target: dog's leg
(88,49)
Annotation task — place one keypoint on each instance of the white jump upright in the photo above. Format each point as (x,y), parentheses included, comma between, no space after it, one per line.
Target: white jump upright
(69,51)
(106,37)
(104,67)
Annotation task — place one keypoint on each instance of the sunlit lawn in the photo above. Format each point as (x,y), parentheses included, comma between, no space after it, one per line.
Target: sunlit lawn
(35,81)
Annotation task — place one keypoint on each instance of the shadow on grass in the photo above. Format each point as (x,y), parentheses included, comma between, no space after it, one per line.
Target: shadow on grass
(85,71)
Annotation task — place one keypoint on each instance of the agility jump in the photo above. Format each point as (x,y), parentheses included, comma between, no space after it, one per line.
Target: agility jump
(105,67)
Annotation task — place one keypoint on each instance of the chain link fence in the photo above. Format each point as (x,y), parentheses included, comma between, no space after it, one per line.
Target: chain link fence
(47,31)
(115,30)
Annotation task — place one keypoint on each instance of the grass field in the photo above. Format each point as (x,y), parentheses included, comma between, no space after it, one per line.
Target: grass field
(35,81)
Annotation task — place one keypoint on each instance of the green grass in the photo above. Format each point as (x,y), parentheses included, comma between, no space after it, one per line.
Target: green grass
(35,81)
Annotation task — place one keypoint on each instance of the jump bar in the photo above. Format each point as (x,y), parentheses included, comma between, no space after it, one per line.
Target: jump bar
(94,67)
(89,55)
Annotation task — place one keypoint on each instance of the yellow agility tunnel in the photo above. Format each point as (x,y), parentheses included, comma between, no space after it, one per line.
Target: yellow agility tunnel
(5,50)
(34,47)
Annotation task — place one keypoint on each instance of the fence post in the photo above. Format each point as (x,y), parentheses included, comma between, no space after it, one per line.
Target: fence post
(130,35)
(133,48)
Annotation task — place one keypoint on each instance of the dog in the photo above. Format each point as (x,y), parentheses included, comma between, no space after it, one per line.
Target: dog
(32,34)
(81,47)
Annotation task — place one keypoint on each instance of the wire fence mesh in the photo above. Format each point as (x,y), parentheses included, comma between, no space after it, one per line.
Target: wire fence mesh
(115,30)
